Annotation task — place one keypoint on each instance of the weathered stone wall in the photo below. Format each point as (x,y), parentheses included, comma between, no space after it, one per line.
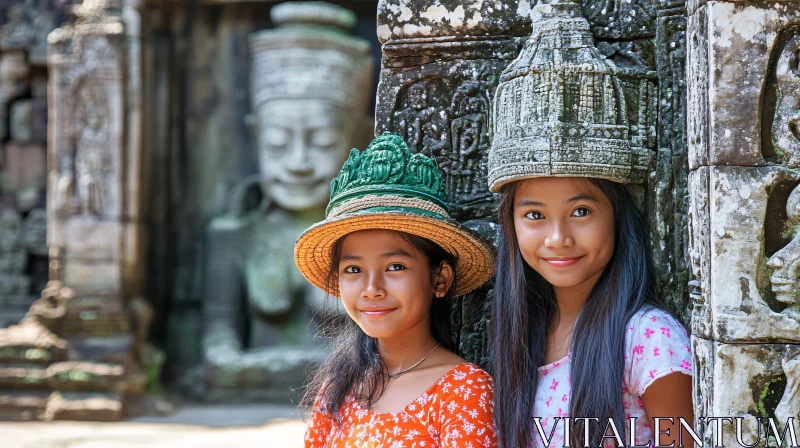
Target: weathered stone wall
(24,27)
(441,62)
(744,156)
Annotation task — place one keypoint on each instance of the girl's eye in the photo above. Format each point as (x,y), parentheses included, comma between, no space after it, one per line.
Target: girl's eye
(580,211)
(352,270)
(396,267)
(534,216)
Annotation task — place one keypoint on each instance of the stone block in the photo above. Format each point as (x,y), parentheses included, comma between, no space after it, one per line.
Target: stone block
(34,232)
(422,19)
(87,275)
(22,121)
(746,231)
(18,377)
(31,343)
(697,77)
(82,376)
(108,349)
(14,284)
(10,229)
(748,381)
(101,407)
(22,406)
(25,166)
(13,262)
(94,315)
(739,38)
(88,238)
(39,119)
(700,251)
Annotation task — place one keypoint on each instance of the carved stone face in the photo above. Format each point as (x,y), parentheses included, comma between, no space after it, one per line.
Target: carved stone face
(418,97)
(786,125)
(302,144)
(786,262)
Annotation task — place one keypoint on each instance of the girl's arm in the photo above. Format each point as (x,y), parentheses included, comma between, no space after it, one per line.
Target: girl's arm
(670,396)
(660,374)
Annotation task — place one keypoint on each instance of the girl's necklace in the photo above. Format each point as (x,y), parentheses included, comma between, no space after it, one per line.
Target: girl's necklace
(395,375)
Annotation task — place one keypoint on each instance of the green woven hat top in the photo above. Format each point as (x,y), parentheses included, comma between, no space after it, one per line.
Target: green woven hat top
(387,170)
(385,187)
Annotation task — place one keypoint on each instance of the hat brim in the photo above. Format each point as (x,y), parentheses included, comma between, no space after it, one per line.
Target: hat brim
(475,257)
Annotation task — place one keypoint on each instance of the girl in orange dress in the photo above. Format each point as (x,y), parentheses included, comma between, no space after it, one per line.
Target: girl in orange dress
(389,249)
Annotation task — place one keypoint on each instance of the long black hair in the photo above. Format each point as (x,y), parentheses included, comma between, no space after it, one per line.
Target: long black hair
(354,364)
(525,305)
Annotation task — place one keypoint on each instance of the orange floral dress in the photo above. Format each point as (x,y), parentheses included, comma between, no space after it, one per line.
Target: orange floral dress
(455,412)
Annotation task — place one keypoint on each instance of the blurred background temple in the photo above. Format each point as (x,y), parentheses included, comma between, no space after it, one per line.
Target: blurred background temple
(189,145)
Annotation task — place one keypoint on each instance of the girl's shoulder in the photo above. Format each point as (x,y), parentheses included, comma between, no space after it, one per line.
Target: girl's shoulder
(656,344)
(466,373)
(648,319)
(464,380)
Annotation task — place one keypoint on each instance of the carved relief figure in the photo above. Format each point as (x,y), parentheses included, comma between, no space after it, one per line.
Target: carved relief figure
(310,107)
(786,262)
(91,149)
(469,132)
(786,124)
(789,406)
(414,120)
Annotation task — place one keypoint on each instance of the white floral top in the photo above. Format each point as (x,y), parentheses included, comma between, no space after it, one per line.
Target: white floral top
(455,412)
(655,345)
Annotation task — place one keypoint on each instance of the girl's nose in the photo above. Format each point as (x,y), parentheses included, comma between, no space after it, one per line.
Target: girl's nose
(374,288)
(559,237)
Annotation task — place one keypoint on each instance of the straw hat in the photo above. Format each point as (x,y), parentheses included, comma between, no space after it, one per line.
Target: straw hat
(386,187)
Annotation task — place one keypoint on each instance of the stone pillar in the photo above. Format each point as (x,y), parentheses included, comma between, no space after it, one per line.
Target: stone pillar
(81,351)
(744,156)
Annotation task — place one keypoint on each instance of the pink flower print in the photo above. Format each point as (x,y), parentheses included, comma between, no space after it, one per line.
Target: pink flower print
(688,348)
(554,384)
(653,318)
(544,422)
(648,332)
(561,413)
(564,398)
(656,351)
(671,353)
(686,365)
(556,364)
(548,401)
(545,372)
(638,350)
(653,373)
(639,402)
(665,331)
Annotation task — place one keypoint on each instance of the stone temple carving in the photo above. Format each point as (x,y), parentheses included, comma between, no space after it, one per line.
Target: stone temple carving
(309,83)
(786,124)
(559,107)
(785,263)
(789,406)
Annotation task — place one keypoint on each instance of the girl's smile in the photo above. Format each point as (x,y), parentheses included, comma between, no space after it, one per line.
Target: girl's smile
(377,311)
(562,262)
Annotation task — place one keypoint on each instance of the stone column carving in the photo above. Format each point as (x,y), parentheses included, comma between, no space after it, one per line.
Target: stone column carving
(743,147)
(309,90)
